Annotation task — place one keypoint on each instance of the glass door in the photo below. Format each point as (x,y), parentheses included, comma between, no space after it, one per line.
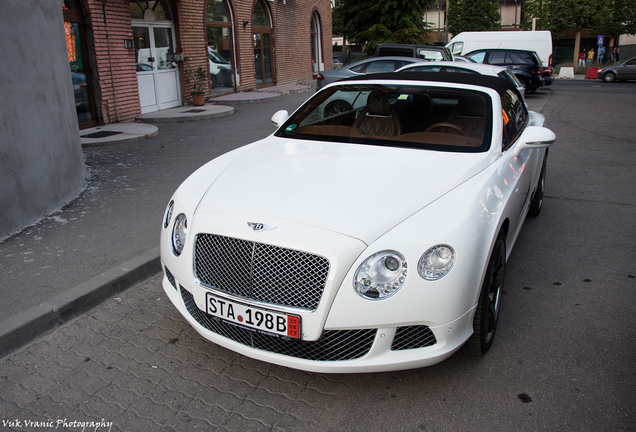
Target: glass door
(156,71)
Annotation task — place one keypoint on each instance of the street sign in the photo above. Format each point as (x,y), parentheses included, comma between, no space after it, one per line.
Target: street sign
(600,40)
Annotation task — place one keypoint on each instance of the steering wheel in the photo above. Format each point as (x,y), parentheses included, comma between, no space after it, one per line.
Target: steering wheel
(448,125)
(335,107)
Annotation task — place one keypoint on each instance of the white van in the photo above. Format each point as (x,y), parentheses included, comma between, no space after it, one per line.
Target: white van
(538,41)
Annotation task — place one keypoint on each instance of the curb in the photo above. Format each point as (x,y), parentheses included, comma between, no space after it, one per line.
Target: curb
(37,320)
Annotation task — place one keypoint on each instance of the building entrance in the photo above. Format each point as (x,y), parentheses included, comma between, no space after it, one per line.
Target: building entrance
(157,74)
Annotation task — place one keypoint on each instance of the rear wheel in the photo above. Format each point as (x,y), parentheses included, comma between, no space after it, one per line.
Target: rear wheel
(489,304)
(609,77)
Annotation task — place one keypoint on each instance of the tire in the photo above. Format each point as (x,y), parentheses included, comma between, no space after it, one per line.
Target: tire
(537,200)
(489,303)
(609,77)
(214,82)
(336,107)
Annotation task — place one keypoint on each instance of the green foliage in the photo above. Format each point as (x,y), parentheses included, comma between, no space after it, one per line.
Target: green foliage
(562,15)
(539,9)
(473,15)
(198,77)
(380,21)
(617,17)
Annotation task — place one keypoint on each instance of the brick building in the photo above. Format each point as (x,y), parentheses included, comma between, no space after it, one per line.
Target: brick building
(129,57)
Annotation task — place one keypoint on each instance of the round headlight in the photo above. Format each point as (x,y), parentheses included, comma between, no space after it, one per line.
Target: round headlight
(168,216)
(436,262)
(179,232)
(381,275)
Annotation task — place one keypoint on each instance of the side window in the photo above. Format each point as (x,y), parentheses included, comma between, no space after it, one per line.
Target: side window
(401,63)
(430,55)
(479,57)
(457,48)
(497,57)
(514,116)
(358,69)
(381,66)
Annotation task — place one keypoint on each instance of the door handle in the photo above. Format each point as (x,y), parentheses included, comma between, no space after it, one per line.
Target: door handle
(151,59)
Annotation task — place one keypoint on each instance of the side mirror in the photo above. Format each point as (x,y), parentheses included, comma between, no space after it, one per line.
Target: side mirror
(534,137)
(279,118)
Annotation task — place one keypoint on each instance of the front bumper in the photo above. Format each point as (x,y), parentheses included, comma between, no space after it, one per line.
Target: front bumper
(343,350)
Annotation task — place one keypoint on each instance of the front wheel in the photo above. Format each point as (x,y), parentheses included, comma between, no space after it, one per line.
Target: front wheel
(489,303)
(214,82)
(609,77)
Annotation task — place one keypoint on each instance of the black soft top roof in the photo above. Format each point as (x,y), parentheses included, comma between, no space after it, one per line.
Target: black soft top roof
(498,84)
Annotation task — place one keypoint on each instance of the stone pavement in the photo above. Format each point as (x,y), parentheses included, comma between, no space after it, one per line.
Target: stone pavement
(135,363)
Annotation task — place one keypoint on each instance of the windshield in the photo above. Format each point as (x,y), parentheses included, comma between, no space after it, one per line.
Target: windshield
(412,116)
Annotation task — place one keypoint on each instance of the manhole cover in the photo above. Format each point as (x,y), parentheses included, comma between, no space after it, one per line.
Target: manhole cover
(101,134)
(194,111)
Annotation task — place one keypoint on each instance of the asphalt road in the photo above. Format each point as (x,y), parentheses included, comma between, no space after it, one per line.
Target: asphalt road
(565,349)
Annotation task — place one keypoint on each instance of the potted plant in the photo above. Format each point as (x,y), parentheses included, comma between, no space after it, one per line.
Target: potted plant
(197,77)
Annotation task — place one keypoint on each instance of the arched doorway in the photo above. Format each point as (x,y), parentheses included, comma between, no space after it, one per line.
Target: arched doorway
(153,36)
(317,61)
(220,50)
(75,30)
(262,32)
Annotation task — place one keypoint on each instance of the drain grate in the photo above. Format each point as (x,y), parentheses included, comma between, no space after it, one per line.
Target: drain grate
(101,134)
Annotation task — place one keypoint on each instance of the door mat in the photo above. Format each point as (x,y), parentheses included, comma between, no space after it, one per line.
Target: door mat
(100,134)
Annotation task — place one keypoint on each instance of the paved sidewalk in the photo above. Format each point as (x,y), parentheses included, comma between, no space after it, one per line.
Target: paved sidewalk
(107,238)
(134,364)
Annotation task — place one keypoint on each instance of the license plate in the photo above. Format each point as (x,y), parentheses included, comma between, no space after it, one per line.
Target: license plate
(256,318)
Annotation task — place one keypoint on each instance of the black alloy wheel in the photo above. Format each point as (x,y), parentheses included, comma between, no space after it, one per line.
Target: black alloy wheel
(489,304)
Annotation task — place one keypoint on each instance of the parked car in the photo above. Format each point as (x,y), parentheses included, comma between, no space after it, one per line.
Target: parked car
(622,72)
(374,239)
(526,65)
(363,67)
(337,64)
(426,52)
(474,68)
(539,41)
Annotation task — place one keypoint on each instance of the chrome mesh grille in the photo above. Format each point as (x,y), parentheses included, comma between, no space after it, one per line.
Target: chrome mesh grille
(334,345)
(413,337)
(260,272)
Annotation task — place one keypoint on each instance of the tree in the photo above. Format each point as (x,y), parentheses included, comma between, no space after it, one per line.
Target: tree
(369,22)
(473,15)
(564,15)
(618,17)
(539,9)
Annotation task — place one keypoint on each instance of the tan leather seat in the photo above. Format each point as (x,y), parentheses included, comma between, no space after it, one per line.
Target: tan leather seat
(378,117)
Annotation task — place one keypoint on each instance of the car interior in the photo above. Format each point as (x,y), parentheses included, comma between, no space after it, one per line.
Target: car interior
(417,115)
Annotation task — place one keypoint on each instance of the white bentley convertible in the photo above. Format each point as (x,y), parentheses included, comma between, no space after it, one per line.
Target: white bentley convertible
(370,232)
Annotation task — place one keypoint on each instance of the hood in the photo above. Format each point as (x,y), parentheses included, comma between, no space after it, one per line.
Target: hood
(358,190)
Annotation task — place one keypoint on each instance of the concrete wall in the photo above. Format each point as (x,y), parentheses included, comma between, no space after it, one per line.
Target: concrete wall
(41,161)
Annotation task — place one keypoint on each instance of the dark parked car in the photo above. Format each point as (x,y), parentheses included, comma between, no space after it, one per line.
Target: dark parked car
(625,71)
(526,65)
(425,52)
(362,67)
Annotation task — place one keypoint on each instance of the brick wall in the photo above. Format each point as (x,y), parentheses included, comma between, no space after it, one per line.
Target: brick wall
(191,42)
(291,32)
(118,93)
